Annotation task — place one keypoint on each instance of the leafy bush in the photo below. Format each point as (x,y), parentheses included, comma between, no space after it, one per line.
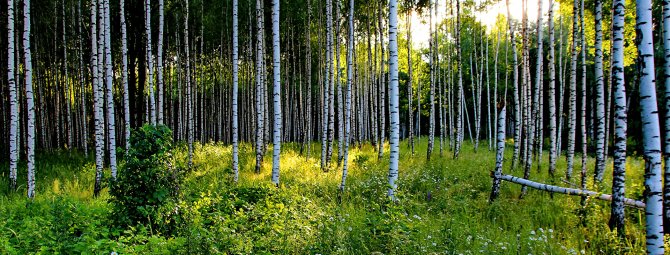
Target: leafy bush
(148,180)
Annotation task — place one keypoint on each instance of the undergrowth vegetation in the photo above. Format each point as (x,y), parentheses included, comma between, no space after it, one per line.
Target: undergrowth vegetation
(442,208)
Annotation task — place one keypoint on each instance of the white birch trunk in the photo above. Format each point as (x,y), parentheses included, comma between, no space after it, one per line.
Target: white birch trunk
(431,102)
(150,63)
(124,74)
(97,100)
(536,132)
(69,125)
(500,153)
(235,88)
(330,82)
(382,87)
(276,139)
(666,150)
(515,93)
(326,88)
(28,65)
(393,94)
(259,87)
(651,137)
(572,93)
(459,88)
(111,123)
(13,98)
(583,93)
(410,113)
(159,65)
(620,118)
(347,113)
(600,96)
(189,98)
(552,92)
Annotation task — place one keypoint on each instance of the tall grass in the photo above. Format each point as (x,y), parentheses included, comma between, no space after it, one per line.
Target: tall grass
(443,208)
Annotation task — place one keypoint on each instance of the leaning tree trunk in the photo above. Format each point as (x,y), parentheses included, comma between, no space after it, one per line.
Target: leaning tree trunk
(651,134)
(13,98)
(600,96)
(620,118)
(393,96)
(666,155)
(28,65)
(276,137)
(235,88)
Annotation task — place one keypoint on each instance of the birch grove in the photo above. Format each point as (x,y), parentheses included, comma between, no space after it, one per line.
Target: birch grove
(224,95)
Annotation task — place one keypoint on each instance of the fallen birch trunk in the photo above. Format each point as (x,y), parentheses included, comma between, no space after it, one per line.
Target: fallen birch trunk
(568,191)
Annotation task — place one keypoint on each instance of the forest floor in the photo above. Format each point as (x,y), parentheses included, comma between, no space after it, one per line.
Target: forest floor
(443,208)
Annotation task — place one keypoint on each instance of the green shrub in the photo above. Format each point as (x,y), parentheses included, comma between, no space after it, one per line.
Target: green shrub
(148,180)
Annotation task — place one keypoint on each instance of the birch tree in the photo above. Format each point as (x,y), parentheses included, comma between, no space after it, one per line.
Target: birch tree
(431,102)
(651,134)
(28,65)
(515,83)
(149,59)
(235,88)
(393,94)
(459,88)
(189,99)
(276,139)
(620,118)
(537,111)
(111,123)
(500,152)
(572,92)
(124,74)
(583,94)
(382,87)
(259,87)
(666,150)
(325,130)
(552,92)
(159,65)
(410,113)
(347,111)
(97,100)
(13,98)
(600,95)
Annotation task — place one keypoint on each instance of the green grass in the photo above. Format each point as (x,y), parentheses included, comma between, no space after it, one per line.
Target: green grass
(303,216)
